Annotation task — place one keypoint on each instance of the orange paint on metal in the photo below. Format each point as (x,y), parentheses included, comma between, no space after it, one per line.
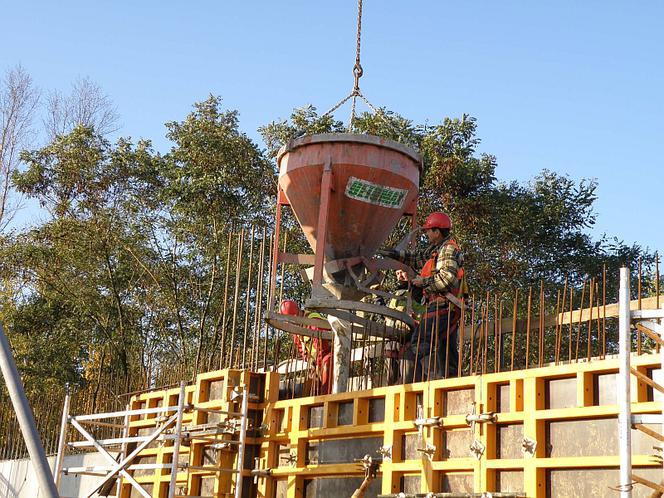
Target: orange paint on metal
(373,182)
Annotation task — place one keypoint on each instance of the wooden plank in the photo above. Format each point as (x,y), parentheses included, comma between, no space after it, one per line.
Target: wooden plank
(657,487)
(655,337)
(647,380)
(646,430)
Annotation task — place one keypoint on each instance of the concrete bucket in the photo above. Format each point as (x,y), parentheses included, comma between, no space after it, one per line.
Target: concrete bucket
(348,192)
(371,182)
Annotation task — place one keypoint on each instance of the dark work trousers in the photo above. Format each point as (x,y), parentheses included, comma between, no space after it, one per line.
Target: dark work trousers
(426,359)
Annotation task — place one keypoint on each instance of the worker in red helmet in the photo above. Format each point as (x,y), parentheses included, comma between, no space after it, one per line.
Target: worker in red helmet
(289,307)
(433,351)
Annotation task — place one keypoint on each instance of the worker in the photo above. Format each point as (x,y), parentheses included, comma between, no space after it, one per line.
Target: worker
(313,350)
(394,350)
(440,277)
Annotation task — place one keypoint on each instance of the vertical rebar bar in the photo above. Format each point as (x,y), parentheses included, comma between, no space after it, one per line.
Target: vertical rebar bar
(462,337)
(258,308)
(515,309)
(222,347)
(266,329)
(447,340)
(578,323)
(471,368)
(540,343)
(236,294)
(485,362)
(604,310)
(591,295)
(530,303)
(247,298)
(570,331)
(556,346)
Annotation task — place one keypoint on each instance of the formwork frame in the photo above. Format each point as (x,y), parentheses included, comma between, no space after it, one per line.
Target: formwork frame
(525,402)
(526,424)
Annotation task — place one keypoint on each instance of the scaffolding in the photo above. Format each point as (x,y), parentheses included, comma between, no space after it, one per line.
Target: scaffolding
(650,323)
(167,427)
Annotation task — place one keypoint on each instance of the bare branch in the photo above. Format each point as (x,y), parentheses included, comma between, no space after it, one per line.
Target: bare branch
(86,105)
(18,101)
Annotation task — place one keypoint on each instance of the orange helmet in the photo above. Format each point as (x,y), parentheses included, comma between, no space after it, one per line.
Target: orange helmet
(289,307)
(437,220)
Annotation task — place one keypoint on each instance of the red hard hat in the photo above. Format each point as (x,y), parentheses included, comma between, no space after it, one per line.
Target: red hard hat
(289,307)
(437,220)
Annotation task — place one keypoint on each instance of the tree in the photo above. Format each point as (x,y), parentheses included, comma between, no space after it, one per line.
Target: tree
(513,234)
(87,105)
(18,102)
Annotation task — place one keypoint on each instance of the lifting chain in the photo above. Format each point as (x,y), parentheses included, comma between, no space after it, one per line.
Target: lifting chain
(357,74)
(357,69)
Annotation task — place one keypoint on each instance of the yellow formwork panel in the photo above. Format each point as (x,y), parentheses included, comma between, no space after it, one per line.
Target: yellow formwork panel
(565,415)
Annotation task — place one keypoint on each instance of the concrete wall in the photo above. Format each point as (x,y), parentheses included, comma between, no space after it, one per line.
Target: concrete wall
(17,479)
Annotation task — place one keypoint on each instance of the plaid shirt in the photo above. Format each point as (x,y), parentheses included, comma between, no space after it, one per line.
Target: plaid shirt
(448,262)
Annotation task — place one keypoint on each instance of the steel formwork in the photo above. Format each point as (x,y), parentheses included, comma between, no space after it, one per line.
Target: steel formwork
(550,431)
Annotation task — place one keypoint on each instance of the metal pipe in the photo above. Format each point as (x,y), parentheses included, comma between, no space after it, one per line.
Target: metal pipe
(62,440)
(26,419)
(623,391)
(176,445)
(243,438)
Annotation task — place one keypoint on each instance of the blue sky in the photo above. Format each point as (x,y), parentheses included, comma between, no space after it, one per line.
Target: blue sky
(574,87)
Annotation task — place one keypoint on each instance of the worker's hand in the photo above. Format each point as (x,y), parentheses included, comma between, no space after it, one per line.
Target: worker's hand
(418,282)
(388,253)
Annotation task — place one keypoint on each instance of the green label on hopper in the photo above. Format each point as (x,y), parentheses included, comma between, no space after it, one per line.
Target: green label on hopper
(380,195)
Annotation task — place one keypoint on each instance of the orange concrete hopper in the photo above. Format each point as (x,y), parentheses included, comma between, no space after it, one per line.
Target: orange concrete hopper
(348,191)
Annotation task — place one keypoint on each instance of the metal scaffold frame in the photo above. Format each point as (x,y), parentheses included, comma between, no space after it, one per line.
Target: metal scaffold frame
(651,323)
(168,426)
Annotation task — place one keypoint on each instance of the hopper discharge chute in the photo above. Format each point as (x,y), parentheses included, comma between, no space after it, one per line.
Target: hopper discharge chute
(347,192)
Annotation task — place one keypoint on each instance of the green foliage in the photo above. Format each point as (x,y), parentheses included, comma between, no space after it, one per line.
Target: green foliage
(136,268)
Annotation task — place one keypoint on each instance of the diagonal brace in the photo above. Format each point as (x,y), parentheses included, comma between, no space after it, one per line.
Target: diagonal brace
(644,378)
(121,466)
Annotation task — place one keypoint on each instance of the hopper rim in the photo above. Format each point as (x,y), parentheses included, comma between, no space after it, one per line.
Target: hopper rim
(350,138)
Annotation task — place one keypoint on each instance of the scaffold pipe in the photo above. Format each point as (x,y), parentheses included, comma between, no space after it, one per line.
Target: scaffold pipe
(26,419)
